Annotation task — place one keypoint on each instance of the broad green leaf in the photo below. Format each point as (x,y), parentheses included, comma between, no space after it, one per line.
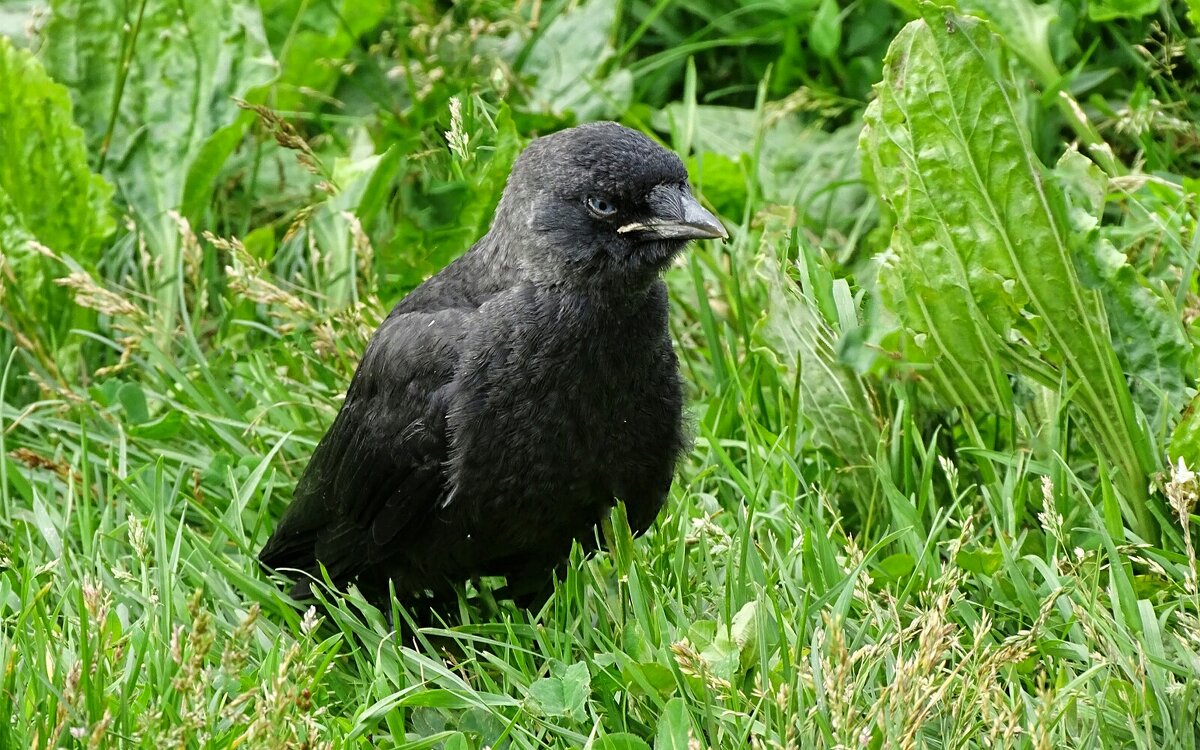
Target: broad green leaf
(796,163)
(979,561)
(728,131)
(702,632)
(1149,340)
(1025,28)
(563,695)
(577,683)
(722,657)
(1147,332)
(1107,10)
(982,270)
(835,404)
(1085,186)
(48,195)
(659,677)
(164,427)
(149,123)
(816,171)
(133,400)
(897,566)
(310,40)
(620,741)
(205,169)
(567,59)
(1185,440)
(734,648)
(43,161)
(744,632)
(825,34)
(673,727)
(15,239)
(548,697)
(457,741)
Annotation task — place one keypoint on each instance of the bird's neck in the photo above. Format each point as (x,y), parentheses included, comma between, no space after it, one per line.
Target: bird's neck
(615,293)
(602,310)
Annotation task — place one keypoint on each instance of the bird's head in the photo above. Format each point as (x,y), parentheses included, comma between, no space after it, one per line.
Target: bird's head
(602,203)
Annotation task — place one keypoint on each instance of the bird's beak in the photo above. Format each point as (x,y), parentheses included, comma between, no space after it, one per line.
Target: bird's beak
(677,216)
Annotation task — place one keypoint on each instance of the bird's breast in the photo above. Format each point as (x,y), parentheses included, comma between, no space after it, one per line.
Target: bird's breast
(549,412)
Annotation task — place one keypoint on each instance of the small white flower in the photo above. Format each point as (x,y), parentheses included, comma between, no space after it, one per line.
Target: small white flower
(950,470)
(456,137)
(137,536)
(1181,474)
(310,621)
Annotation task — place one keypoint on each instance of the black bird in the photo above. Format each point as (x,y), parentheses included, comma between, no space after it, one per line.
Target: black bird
(506,403)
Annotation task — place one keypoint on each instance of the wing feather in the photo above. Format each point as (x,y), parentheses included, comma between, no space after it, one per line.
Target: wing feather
(380,465)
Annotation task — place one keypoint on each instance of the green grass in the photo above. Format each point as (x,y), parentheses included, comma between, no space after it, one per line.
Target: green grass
(854,553)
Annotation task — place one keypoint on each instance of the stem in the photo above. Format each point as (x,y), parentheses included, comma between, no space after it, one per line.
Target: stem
(128,47)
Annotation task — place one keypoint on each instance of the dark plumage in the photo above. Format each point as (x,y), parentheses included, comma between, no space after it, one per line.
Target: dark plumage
(504,404)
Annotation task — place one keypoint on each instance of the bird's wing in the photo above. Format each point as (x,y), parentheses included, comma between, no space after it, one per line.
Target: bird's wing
(380,465)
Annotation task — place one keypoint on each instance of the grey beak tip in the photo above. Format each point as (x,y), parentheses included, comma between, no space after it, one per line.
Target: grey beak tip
(700,219)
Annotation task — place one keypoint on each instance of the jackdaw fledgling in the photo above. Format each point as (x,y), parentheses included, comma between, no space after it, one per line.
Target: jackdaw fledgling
(506,403)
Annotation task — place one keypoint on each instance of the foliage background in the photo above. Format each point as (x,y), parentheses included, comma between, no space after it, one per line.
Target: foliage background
(942,378)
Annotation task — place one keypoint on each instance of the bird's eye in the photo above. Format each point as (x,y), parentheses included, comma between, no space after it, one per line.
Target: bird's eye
(600,206)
